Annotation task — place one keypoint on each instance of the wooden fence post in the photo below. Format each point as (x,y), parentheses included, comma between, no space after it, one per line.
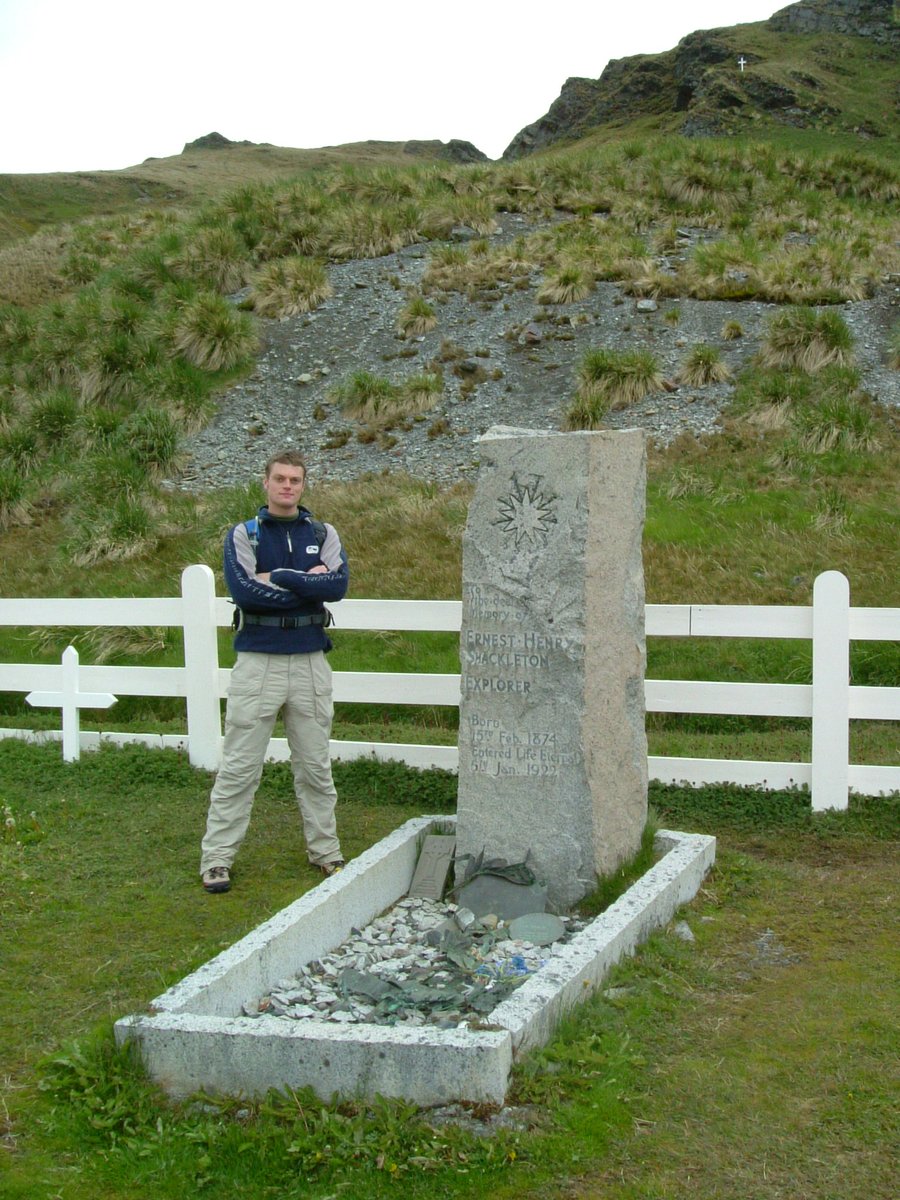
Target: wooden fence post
(201,661)
(831,691)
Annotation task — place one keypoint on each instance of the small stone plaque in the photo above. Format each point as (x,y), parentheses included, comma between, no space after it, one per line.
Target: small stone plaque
(492,894)
(433,867)
(539,928)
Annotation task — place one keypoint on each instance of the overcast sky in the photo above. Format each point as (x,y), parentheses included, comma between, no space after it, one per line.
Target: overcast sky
(103,84)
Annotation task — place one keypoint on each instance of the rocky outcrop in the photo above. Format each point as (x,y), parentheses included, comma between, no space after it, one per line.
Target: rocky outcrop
(859,18)
(214,141)
(455,151)
(699,78)
(641,84)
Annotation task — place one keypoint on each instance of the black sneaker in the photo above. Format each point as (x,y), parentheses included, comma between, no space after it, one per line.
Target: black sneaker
(217,879)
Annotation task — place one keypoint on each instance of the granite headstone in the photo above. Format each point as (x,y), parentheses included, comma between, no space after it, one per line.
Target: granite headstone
(552,747)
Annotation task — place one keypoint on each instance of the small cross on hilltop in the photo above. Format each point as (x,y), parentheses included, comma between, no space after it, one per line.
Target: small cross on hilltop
(742,62)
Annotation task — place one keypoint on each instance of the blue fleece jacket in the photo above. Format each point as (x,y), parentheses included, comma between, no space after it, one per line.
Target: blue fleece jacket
(287,549)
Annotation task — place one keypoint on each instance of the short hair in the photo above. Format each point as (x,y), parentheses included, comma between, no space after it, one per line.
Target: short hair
(293,458)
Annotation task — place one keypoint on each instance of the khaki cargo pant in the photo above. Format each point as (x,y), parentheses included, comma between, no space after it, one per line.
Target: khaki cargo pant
(262,685)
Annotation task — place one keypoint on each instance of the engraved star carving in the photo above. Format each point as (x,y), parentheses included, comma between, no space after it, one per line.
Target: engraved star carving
(527,513)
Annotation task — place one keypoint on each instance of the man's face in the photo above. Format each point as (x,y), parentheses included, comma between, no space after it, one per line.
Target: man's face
(283,487)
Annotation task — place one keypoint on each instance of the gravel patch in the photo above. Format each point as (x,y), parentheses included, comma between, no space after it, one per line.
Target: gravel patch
(523,354)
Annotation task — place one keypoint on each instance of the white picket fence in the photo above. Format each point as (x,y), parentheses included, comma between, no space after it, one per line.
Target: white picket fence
(830,701)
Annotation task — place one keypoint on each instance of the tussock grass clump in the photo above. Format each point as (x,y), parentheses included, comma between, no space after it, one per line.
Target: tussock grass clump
(833,514)
(838,422)
(625,376)
(644,276)
(16,328)
(814,414)
(807,340)
(183,390)
(703,365)
(476,212)
(104,644)
(771,389)
(151,439)
(115,532)
(98,427)
(286,287)
(586,411)
(609,380)
(32,272)
(209,333)
(380,403)
(473,269)
(564,285)
(825,273)
(363,394)
(423,390)
(13,504)
(214,257)
(687,483)
(725,269)
(108,468)
(20,448)
(416,317)
(698,189)
(111,365)
(303,232)
(359,231)
(731,331)
(8,407)
(54,415)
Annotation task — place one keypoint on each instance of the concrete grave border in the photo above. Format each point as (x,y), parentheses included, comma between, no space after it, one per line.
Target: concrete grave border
(194,1038)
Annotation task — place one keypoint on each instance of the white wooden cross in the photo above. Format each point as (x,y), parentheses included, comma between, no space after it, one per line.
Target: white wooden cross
(742,62)
(70,700)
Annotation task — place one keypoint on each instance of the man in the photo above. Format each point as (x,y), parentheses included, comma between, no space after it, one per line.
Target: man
(280,569)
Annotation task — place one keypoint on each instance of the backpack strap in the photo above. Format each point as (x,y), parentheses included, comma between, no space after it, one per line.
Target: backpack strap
(252,527)
(319,530)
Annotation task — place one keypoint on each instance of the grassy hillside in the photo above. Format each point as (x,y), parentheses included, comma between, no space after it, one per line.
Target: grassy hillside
(32,202)
(117,336)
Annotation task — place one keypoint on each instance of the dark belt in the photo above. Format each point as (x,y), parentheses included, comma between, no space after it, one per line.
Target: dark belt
(245,618)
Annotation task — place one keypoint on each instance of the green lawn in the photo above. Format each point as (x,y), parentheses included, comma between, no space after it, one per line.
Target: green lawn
(755,1061)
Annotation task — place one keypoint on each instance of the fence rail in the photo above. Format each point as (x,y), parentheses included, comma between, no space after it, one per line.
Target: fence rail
(830,702)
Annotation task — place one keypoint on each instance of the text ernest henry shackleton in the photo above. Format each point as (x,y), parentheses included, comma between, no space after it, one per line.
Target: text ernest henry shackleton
(509,663)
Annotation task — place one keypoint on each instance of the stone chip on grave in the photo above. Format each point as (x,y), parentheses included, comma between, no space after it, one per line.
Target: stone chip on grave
(361,983)
(539,928)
